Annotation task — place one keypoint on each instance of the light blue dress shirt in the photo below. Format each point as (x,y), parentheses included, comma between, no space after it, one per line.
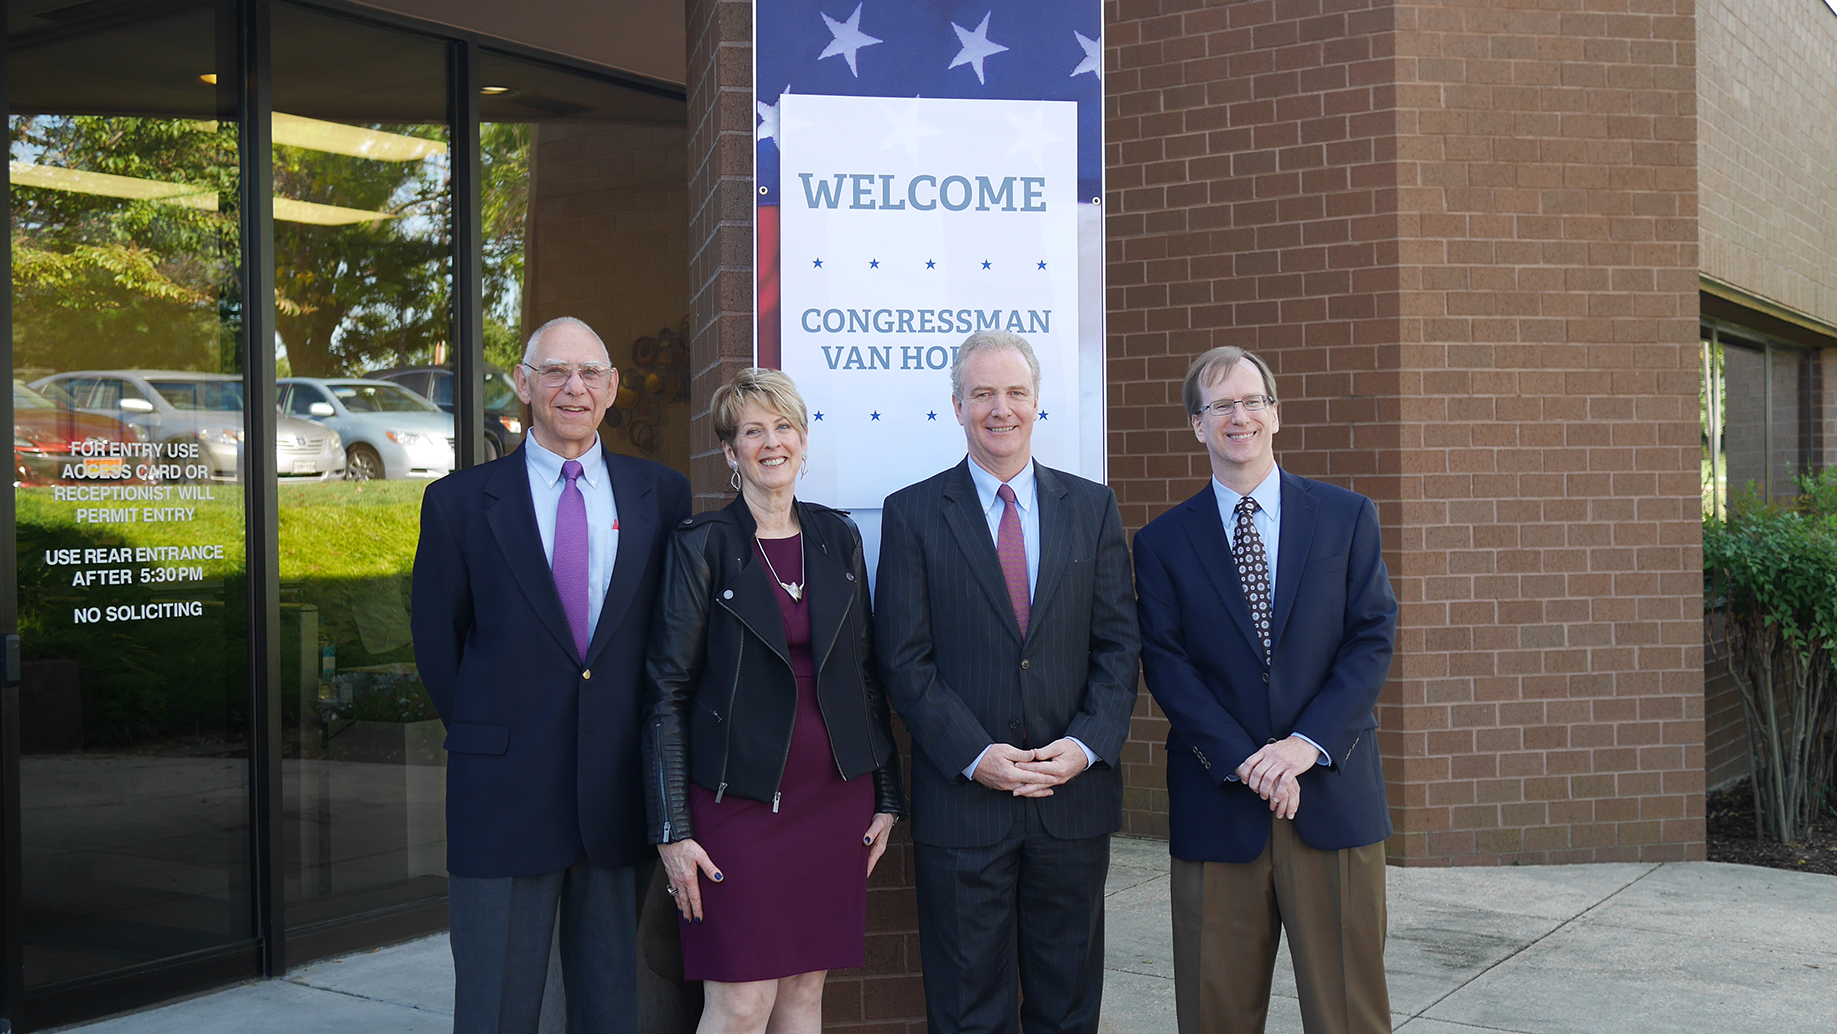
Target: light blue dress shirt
(1268,523)
(1027,500)
(595,484)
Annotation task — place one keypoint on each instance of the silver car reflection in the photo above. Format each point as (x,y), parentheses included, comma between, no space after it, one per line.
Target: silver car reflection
(388,431)
(184,408)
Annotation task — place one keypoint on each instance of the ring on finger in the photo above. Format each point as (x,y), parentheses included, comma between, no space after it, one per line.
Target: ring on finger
(670,890)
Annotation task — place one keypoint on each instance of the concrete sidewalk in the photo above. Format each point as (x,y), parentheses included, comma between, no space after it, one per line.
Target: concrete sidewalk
(1573,949)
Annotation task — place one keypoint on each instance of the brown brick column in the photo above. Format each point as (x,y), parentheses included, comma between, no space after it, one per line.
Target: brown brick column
(1465,236)
(720,72)
(886,995)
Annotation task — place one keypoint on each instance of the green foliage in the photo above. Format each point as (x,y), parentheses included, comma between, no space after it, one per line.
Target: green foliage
(1771,573)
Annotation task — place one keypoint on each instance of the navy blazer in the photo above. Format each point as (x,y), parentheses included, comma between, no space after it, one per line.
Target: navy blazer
(542,759)
(1335,623)
(961,675)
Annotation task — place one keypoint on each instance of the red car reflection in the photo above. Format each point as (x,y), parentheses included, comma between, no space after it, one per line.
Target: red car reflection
(45,434)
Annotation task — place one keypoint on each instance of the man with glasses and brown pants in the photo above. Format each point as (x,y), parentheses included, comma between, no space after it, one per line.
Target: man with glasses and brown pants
(533,593)
(1267,627)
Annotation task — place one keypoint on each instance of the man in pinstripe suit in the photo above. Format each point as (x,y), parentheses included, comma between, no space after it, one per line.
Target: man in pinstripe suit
(1006,633)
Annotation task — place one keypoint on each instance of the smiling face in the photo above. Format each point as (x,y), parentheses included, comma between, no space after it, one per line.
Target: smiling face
(768,450)
(1241,444)
(997,411)
(566,420)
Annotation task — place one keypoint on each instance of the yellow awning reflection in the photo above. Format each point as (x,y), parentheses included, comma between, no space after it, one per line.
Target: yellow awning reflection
(338,138)
(189,195)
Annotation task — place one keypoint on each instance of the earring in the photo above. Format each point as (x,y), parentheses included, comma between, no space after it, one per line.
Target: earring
(735,479)
(803,471)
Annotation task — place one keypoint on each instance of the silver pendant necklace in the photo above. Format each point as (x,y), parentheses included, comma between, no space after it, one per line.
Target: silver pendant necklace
(795,590)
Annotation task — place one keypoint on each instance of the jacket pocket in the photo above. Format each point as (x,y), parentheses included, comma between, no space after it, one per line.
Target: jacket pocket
(474,738)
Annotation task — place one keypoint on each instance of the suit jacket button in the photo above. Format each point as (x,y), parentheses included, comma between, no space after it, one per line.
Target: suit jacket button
(1266,678)
(1025,664)
(587,674)
(1014,723)
(850,575)
(1272,739)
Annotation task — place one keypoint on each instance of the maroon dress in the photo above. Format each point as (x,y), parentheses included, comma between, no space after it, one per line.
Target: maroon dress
(793,897)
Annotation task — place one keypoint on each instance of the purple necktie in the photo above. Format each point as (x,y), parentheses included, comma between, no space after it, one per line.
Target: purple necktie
(570,560)
(1011,548)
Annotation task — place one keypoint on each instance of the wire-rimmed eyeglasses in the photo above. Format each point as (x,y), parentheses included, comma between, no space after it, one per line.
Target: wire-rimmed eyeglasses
(1251,404)
(556,375)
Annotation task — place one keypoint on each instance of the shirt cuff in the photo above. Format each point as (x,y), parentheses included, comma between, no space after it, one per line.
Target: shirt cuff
(1324,759)
(1090,756)
(970,772)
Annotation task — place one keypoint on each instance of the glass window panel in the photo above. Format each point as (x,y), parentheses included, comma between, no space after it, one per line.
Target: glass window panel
(132,610)
(586,214)
(1745,418)
(362,286)
(1788,417)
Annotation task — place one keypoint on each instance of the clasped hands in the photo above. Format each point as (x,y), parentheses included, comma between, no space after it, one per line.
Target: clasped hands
(1030,773)
(1274,770)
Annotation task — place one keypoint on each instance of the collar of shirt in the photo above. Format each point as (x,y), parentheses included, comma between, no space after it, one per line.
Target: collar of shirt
(547,465)
(1026,491)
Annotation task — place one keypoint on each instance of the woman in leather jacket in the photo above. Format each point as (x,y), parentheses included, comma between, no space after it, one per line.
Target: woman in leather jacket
(764,714)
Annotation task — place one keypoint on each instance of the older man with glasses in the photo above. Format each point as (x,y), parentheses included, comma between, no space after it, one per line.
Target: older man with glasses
(533,592)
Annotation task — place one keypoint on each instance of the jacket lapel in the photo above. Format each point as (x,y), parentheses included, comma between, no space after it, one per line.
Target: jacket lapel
(1299,511)
(754,600)
(1055,540)
(963,512)
(512,516)
(827,586)
(634,498)
(1205,529)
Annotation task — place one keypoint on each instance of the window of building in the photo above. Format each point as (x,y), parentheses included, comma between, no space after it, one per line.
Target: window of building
(1759,415)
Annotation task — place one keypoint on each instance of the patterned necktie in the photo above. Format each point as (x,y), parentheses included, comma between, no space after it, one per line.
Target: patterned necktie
(1252,568)
(570,558)
(1012,549)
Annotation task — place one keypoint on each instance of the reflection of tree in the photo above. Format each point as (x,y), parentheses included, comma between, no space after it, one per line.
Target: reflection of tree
(104,281)
(354,297)
(504,191)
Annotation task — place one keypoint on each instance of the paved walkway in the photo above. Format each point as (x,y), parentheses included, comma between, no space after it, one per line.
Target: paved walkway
(1572,949)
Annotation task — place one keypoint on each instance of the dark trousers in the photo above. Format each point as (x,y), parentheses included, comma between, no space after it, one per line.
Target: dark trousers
(1030,904)
(501,933)
(1229,920)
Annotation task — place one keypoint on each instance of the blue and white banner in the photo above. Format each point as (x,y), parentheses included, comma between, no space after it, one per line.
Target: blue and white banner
(927,170)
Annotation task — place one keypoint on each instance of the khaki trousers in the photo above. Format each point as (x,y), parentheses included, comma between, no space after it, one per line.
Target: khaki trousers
(1228,923)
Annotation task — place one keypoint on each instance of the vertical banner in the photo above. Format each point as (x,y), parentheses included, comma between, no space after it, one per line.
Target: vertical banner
(927,169)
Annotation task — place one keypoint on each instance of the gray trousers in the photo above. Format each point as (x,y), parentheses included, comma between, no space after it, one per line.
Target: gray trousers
(502,930)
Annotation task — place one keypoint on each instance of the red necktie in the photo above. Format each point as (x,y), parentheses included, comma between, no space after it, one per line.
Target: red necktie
(1011,548)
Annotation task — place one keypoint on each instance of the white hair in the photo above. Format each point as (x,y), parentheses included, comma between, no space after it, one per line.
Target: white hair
(535,339)
(992,341)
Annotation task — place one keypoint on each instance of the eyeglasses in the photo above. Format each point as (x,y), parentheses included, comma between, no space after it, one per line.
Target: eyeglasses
(593,376)
(1251,404)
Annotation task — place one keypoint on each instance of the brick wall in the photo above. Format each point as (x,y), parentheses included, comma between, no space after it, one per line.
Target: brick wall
(885,996)
(1767,144)
(608,243)
(1464,233)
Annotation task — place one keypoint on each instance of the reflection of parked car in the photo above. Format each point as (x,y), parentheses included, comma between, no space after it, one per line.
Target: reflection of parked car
(44,431)
(174,407)
(503,410)
(389,431)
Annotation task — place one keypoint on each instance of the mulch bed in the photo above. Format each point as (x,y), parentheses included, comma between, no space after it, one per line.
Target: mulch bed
(1731,836)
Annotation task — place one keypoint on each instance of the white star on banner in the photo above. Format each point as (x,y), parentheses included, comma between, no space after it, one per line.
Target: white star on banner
(976,46)
(906,129)
(849,39)
(1093,57)
(768,121)
(1031,134)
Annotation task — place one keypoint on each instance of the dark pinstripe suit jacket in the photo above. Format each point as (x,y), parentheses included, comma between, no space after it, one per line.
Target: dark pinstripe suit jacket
(958,671)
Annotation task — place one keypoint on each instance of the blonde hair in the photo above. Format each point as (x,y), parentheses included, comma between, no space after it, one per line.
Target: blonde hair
(770,389)
(1217,363)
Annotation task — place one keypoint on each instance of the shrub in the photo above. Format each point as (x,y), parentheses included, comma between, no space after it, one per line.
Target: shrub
(1771,569)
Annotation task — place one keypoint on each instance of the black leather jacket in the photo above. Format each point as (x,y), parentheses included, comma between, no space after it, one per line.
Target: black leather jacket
(721,694)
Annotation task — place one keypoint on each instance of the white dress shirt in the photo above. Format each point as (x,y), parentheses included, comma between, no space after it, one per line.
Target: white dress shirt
(595,484)
(1027,500)
(1268,523)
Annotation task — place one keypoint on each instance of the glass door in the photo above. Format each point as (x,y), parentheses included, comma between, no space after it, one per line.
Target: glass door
(133,722)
